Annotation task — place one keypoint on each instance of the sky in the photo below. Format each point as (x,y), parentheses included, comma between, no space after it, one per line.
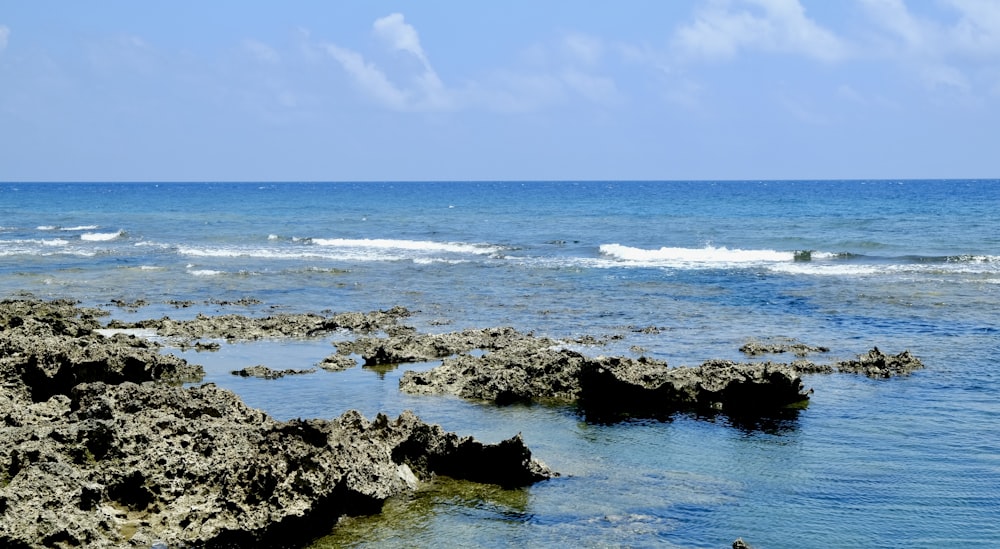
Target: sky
(313,90)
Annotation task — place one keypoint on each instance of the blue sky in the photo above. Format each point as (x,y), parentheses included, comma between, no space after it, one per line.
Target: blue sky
(515,90)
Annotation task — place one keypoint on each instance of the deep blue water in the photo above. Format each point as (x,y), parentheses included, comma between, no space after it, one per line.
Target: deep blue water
(910,462)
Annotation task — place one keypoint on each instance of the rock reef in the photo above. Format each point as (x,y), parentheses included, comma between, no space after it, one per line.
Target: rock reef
(606,387)
(105,444)
(239,327)
(102,446)
(876,364)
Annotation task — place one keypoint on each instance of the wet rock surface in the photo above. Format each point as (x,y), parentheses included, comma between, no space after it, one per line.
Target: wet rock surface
(407,346)
(609,386)
(263,372)
(102,446)
(876,364)
(286,325)
(779,345)
(99,449)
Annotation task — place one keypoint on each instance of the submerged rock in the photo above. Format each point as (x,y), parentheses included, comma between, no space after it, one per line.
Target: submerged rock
(757,347)
(611,385)
(520,375)
(240,327)
(263,372)
(877,364)
(407,346)
(98,451)
(648,388)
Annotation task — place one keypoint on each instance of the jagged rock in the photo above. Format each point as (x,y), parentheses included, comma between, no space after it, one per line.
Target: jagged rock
(877,364)
(88,457)
(337,362)
(756,347)
(649,388)
(239,327)
(504,377)
(408,347)
(610,385)
(740,544)
(263,372)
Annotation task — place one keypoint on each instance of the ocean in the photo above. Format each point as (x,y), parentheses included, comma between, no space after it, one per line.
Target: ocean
(679,271)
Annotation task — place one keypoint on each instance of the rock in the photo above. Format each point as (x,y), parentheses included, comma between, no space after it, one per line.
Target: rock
(520,375)
(242,328)
(337,362)
(607,386)
(876,364)
(408,346)
(756,347)
(98,451)
(51,358)
(263,372)
(619,386)
(740,544)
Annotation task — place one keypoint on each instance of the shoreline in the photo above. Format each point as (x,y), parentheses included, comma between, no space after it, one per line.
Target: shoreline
(101,430)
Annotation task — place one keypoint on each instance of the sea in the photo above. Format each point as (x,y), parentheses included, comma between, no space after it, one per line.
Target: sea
(683,271)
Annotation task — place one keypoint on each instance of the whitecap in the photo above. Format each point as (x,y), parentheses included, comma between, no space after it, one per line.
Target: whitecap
(79,228)
(708,256)
(206,272)
(411,245)
(101,237)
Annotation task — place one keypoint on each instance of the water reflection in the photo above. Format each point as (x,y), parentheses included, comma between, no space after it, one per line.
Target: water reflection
(412,520)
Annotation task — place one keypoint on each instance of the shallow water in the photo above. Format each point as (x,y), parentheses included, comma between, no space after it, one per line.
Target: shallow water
(698,268)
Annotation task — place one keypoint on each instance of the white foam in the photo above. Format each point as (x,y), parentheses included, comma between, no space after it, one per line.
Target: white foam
(206,272)
(79,228)
(101,237)
(46,228)
(145,333)
(709,256)
(412,245)
(272,237)
(55,242)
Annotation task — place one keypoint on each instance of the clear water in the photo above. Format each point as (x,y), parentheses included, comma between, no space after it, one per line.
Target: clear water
(911,462)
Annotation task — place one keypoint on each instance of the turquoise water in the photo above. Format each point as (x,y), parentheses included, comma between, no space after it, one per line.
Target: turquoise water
(911,462)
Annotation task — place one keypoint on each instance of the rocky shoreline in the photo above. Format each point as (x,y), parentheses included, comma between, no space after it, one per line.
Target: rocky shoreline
(103,445)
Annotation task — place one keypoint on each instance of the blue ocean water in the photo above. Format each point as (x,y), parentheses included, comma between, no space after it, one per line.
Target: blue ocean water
(681,271)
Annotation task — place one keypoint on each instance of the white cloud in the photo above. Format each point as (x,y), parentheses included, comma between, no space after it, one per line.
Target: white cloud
(423,92)
(894,16)
(583,48)
(940,75)
(261,52)
(400,35)
(369,77)
(721,30)
(4,35)
(597,89)
(940,52)
(551,78)
(978,30)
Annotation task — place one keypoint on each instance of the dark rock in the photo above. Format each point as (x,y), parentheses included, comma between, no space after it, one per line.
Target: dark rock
(877,364)
(103,461)
(242,328)
(740,544)
(618,386)
(607,386)
(758,347)
(263,372)
(408,346)
(519,375)
(337,362)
